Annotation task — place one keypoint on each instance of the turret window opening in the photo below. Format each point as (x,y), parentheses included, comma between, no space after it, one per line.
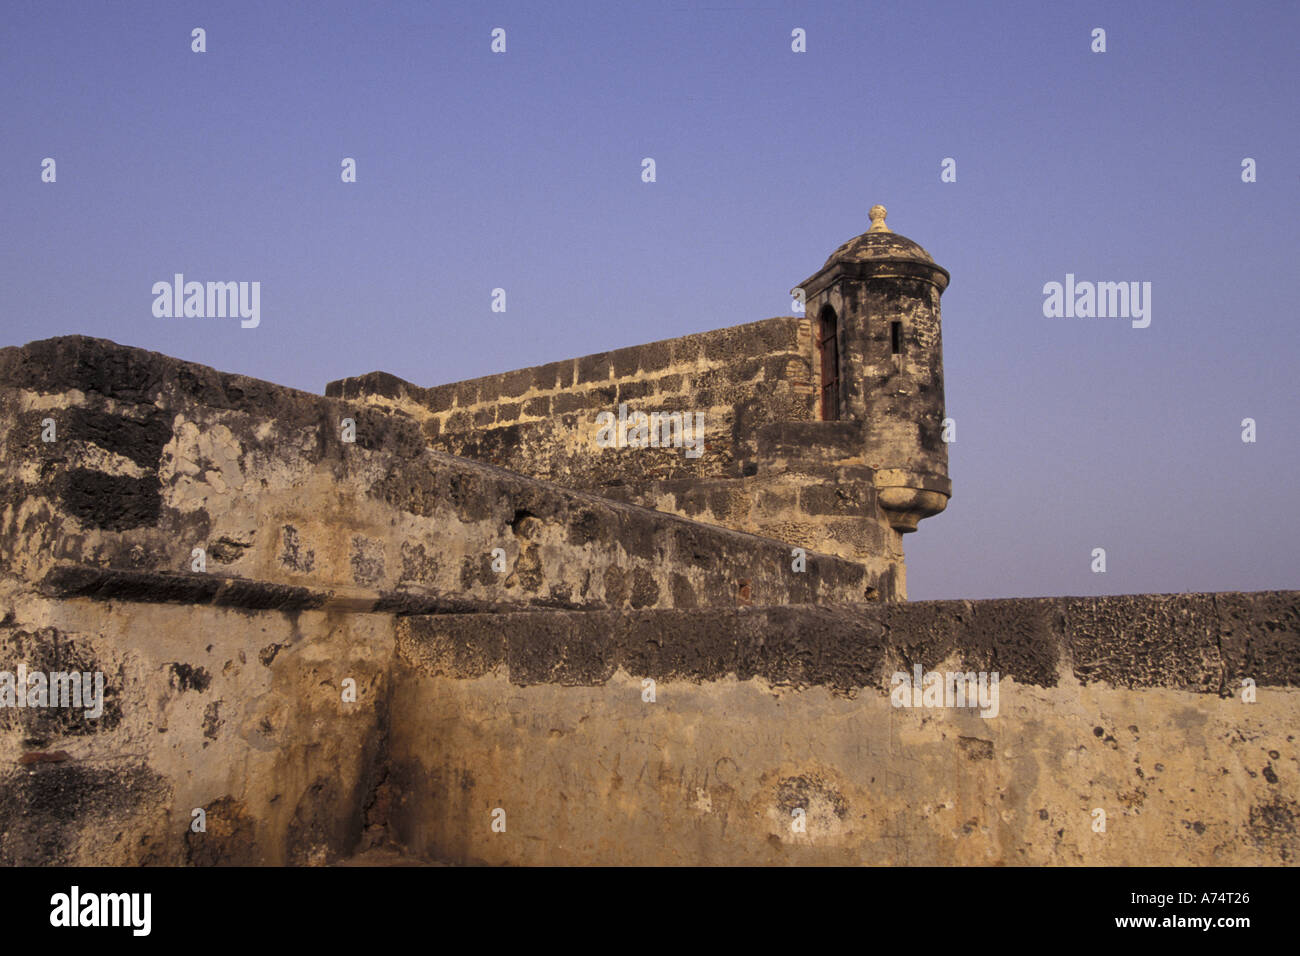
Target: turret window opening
(829,347)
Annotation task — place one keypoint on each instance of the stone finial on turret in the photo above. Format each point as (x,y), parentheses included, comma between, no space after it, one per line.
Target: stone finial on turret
(877,214)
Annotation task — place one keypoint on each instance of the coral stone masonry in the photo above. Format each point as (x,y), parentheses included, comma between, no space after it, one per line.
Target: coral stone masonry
(646,606)
(823,431)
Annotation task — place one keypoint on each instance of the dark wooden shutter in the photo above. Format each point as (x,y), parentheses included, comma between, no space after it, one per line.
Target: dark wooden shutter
(828,345)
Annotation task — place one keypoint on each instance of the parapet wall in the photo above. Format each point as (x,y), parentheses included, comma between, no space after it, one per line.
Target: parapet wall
(768,466)
(1133,706)
(150,458)
(542,421)
(1120,734)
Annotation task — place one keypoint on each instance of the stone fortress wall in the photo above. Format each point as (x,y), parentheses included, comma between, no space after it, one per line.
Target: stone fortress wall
(440,619)
(1123,711)
(769,465)
(526,691)
(542,421)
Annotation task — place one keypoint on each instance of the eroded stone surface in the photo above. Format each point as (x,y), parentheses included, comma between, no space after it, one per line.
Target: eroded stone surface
(331,647)
(168,456)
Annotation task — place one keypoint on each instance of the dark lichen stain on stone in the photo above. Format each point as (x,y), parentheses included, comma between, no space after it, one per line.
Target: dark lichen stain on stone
(294,555)
(417,566)
(976,749)
(187,677)
(367,561)
(645,590)
(137,433)
(109,502)
(45,808)
(212,720)
(227,550)
(1272,828)
(50,650)
(108,584)
(801,791)
(249,596)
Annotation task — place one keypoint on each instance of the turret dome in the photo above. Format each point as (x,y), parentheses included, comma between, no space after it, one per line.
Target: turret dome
(879,244)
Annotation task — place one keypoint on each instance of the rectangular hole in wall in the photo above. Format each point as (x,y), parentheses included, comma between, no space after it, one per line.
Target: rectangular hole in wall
(896,337)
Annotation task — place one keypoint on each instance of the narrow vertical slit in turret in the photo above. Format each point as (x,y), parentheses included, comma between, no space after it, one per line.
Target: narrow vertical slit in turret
(828,346)
(896,337)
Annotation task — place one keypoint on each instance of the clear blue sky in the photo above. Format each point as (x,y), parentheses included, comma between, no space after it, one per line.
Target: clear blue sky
(522,171)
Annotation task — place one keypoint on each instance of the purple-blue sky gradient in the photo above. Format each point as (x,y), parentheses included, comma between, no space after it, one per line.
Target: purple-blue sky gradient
(522,171)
